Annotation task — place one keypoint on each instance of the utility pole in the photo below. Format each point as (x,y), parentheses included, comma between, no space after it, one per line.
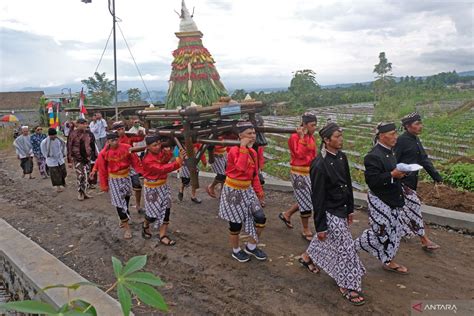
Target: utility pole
(112,12)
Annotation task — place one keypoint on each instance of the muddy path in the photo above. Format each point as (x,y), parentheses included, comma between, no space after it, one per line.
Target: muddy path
(201,277)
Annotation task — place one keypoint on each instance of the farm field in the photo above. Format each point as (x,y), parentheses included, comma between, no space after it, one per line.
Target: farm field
(447,137)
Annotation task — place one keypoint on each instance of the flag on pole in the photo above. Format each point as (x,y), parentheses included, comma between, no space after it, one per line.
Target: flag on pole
(82,108)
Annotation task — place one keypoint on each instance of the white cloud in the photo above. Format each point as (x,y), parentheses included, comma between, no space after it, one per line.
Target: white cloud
(253,42)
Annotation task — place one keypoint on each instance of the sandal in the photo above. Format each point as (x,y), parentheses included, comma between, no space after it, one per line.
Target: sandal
(397,269)
(309,265)
(211,193)
(307,237)
(196,200)
(284,220)
(145,233)
(347,294)
(430,247)
(169,242)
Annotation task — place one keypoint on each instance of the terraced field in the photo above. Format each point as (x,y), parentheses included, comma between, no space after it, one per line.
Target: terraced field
(445,137)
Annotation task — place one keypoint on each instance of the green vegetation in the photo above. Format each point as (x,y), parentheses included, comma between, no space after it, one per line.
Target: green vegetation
(134,95)
(100,90)
(128,281)
(459,175)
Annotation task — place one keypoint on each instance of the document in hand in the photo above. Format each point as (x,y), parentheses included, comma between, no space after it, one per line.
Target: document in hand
(403,167)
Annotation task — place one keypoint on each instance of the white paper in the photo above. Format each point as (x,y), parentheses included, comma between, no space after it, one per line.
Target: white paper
(403,167)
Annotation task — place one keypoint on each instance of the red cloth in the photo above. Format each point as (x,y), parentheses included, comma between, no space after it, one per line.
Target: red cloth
(129,140)
(260,158)
(241,165)
(157,166)
(112,160)
(302,151)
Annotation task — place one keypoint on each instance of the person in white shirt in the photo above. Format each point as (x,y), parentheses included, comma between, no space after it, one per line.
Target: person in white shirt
(98,127)
(54,149)
(134,130)
(24,151)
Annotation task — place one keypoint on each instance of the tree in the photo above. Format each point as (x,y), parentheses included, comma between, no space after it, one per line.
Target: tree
(134,95)
(239,94)
(303,82)
(384,75)
(100,90)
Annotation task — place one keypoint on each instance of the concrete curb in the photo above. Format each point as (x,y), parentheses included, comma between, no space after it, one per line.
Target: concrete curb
(38,268)
(431,214)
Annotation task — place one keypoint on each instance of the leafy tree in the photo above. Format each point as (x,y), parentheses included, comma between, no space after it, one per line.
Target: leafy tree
(100,90)
(134,95)
(239,94)
(384,75)
(303,82)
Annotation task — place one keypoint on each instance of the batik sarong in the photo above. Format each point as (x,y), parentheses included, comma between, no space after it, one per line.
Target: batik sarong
(382,238)
(302,191)
(337,254)
(157,199)
(219,164)
(240,206)
(411,214)
(82,174)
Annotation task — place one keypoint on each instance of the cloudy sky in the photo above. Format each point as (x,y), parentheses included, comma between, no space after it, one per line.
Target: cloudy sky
(256,43)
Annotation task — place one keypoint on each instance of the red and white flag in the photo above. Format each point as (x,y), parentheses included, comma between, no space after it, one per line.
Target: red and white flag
(82,108)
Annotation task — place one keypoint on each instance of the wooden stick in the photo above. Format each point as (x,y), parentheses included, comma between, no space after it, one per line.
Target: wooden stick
(275,129)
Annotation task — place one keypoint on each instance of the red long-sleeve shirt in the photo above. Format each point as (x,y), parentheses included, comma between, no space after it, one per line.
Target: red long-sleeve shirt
(241,165)
(302,151)
(116,160)
(157,166)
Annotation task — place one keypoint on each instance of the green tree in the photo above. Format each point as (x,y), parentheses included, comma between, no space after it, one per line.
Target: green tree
(134,95)
(303,82)
(100,89)
(239,94)
(384,76)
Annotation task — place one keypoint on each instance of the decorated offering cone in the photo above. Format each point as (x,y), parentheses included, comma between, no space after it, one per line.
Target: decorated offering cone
(193,76)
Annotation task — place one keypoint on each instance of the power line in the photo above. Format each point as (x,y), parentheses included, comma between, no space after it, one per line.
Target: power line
(136,66)
(103,52)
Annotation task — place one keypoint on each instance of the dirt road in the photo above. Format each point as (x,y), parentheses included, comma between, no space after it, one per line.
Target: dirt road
(201,276)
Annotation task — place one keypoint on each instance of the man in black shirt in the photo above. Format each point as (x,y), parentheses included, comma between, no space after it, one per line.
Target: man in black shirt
(333,203)
(385,200)
(409,150)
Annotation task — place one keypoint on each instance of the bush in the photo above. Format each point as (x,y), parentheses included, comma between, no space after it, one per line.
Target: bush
(460,175)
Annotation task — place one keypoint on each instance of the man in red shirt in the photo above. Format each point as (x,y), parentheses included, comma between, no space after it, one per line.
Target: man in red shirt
(302,150)
(114,164)
(119,127)
(156,167)
(242,195)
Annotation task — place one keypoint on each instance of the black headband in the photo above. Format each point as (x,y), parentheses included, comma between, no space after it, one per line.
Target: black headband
(112,135)
(385,127)
(328,130)
(410,118)
(118,125)
(152,139)
(242,126)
